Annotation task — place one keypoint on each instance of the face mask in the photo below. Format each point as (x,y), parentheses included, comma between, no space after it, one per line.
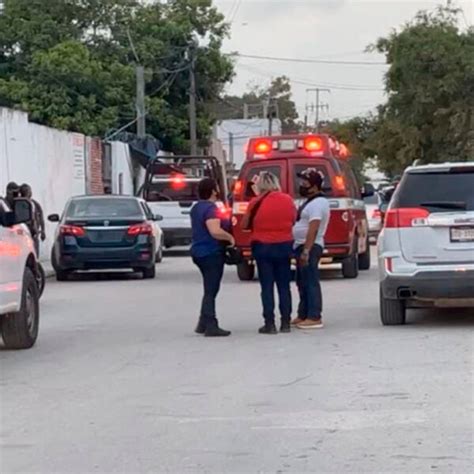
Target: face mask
(304,191)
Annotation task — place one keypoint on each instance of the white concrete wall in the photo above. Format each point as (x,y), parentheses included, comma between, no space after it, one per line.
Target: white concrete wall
(122,170)
(51,161)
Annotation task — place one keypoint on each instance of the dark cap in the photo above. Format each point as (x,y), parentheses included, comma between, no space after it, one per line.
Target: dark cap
(12,186)
(313,176)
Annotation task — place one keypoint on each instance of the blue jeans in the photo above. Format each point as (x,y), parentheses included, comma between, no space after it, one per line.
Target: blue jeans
(274,267)
(212,271)
(309,286)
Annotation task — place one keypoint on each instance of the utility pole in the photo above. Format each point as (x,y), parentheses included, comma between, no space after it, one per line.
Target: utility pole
(231,148)
(318,90)
(192,102)
(141,119)
(246,111)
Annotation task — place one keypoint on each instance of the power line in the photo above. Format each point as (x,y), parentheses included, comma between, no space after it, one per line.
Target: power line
(309,61)
(237,8)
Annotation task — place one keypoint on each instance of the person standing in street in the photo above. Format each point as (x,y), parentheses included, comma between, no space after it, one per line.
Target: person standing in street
(309,231)
(12,192)
(36,225)
(207,251)
(270,218)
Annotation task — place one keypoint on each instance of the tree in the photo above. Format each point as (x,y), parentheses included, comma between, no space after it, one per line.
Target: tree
(70,63)
(430,83)
(278,92)
(357,134)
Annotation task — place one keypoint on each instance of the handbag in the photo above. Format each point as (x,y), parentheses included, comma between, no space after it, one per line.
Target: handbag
(233,256)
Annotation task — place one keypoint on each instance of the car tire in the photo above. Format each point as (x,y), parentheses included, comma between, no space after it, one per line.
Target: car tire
(350,265)
(149,273)
(20,330)
(246,271)
(62,275)
(364,258)
(392,312)
(159,254)
(41,279)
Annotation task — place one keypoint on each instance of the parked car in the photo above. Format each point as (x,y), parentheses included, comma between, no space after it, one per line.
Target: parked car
(374,216)
(347,237)
(19,295)
(106,232)
(426,248)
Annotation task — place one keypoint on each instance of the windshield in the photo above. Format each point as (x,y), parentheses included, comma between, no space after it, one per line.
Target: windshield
(439,192)
(172,191)
(104,207)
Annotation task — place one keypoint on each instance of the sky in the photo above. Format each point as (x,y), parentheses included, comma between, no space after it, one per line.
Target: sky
(331,30)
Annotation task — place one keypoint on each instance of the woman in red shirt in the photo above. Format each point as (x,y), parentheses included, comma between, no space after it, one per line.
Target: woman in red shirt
(270,218)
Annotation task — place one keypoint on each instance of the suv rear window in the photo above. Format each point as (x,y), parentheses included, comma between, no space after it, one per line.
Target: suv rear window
(438,192)
(167,191)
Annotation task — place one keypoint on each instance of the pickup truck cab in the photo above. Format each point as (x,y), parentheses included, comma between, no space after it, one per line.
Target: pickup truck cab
(19,295)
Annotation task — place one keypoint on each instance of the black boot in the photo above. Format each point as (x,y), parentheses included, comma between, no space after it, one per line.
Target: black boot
(268,328)
(285,326)
(213,330)
(201,327)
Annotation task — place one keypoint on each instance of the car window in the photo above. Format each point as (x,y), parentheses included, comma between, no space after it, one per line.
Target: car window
(253,173)
(3,207)
(147,211)
(371,199)
(439,192)
(298,168)
(103,207)
(172,191)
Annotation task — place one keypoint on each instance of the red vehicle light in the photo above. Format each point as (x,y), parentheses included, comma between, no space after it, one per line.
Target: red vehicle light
(408,217)
(238,187)
(72,230)
(339,183)
(140,229)
(313,144)
(263,147)
(376,214)
(343,151)
(225,212)
(178,181)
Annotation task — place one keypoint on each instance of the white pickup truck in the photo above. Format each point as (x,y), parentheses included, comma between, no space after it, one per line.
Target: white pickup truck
(19,295)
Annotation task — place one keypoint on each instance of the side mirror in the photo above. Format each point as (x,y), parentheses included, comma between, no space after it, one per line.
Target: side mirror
(53,218)
(326,189)
(368,190)
(158,217)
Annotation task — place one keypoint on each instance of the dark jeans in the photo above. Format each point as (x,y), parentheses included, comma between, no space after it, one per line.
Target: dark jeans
(212,270)
(309,286)
(274,267)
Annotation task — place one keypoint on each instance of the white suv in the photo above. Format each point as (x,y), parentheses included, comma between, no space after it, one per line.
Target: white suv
(19,295)
(426,248)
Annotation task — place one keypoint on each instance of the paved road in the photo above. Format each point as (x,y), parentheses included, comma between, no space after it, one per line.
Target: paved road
(119,382)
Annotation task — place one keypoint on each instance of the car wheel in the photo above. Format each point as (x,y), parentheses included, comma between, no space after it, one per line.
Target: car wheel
(149,273)
(246,271)
(364,258)
(350,265)
(41,279)
(20,330)
(392,312)
(62,275)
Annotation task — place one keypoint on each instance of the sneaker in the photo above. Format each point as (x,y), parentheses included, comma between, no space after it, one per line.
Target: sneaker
(297,321)
(285,327)
(200,328)
(216,331)
(311,324)
(268,329)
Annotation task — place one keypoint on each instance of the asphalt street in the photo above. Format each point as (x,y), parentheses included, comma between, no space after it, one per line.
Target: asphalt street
(118,382)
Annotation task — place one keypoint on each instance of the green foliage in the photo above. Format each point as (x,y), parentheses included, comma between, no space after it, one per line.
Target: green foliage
(70,63)
(430,84)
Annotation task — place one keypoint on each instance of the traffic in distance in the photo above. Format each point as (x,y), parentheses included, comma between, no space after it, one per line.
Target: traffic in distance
(424,224)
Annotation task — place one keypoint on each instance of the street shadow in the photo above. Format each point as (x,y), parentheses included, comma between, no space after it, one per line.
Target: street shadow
(105,276)
(441,317)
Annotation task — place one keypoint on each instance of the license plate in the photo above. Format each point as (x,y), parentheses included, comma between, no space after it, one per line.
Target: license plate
(462,234)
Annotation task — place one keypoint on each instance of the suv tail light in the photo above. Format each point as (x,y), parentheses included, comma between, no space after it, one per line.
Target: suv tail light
(72,230)
(140,229)
(406,217)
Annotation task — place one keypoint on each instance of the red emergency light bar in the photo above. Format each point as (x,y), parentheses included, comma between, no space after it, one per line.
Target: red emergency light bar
(282,146)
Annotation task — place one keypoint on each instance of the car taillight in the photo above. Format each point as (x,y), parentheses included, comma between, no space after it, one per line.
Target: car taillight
(72,230)
(225,212)
(339,186)
(406,217)
(238,188)
(139,229)
(376,214)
